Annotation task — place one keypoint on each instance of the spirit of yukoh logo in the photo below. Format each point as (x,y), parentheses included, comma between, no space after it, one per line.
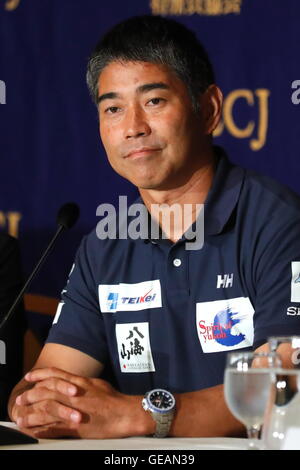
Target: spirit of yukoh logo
(221,329)
(133,222)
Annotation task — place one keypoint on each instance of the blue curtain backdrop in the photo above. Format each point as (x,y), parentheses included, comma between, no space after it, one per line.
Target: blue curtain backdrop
(50,148)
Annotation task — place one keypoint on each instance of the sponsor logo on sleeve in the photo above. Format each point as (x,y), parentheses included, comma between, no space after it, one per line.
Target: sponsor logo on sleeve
(293,311)
(225,325)
(295,284)
(129,297)
(134,347)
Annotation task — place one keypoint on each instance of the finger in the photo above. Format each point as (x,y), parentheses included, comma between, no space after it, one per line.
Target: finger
(48,412)
(45,373)
(58,385)
(37,375)
(37,394)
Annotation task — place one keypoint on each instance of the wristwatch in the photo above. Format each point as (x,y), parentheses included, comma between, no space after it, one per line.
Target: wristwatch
(161,404)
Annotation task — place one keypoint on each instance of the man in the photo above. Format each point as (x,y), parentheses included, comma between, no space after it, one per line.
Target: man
(12,334)
(158,315)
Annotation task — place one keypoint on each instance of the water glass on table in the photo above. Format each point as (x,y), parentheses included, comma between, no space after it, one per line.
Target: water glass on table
(288,348)
(281,428)
(247,385)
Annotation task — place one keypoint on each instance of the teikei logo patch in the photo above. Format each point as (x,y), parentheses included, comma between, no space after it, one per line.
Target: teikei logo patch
(295,284)
(223,325)
(129,297)
(134,347)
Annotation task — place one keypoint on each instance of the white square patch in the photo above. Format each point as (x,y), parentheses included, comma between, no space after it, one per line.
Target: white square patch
(295,284)
(224,325)
(134,347)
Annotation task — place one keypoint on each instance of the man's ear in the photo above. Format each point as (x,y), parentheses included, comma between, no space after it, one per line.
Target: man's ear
(211,102)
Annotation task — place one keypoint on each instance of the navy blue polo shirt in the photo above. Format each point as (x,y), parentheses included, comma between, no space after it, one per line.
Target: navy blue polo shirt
(164,316)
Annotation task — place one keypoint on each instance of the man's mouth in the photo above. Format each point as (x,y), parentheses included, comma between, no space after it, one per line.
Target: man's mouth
(141,152)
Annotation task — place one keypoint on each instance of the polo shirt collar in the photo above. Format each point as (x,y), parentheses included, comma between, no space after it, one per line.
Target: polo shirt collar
(224,193)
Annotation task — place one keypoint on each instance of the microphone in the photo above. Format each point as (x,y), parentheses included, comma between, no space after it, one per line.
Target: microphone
(67,216)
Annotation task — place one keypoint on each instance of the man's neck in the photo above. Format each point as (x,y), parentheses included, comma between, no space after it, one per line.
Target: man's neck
(188,197)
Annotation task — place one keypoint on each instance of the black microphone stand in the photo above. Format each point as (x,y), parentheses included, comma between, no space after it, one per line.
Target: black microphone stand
(32,275)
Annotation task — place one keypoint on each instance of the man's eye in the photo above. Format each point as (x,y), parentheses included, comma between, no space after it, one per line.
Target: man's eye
(112,110)
(155,101)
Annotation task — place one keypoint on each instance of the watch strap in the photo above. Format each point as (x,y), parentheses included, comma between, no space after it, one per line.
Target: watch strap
(163,423)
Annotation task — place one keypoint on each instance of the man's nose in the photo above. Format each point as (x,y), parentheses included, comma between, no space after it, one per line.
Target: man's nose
(136,124)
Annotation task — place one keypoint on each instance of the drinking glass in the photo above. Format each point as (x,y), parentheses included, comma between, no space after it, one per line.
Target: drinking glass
(282,419)
(288,348)
(281,428)
(247,385)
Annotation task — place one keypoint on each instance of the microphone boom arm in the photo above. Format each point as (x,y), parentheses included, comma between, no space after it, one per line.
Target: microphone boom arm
(32,275)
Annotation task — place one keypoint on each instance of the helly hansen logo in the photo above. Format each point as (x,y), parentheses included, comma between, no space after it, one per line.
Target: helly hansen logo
(224,281)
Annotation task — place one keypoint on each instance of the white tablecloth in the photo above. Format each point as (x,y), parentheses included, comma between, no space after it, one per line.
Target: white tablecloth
(132,443)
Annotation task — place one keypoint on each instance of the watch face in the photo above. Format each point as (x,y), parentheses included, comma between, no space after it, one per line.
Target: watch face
(162,400)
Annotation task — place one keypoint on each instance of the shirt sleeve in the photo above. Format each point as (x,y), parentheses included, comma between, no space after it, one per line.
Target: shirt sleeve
(78,322)
(277,282)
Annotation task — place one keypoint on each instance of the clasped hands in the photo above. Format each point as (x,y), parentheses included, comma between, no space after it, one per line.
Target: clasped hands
(61,404)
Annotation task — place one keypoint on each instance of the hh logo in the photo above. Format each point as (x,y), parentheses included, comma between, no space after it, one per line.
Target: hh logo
(224,281)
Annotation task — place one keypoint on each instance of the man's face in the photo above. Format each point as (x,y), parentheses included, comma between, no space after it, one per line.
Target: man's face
(149,130)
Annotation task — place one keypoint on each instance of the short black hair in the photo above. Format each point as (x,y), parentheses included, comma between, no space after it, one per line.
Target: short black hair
(156,40)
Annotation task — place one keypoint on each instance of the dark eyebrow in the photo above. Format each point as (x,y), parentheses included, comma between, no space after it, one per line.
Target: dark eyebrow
(152,86)
(140,89)
(107,96)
